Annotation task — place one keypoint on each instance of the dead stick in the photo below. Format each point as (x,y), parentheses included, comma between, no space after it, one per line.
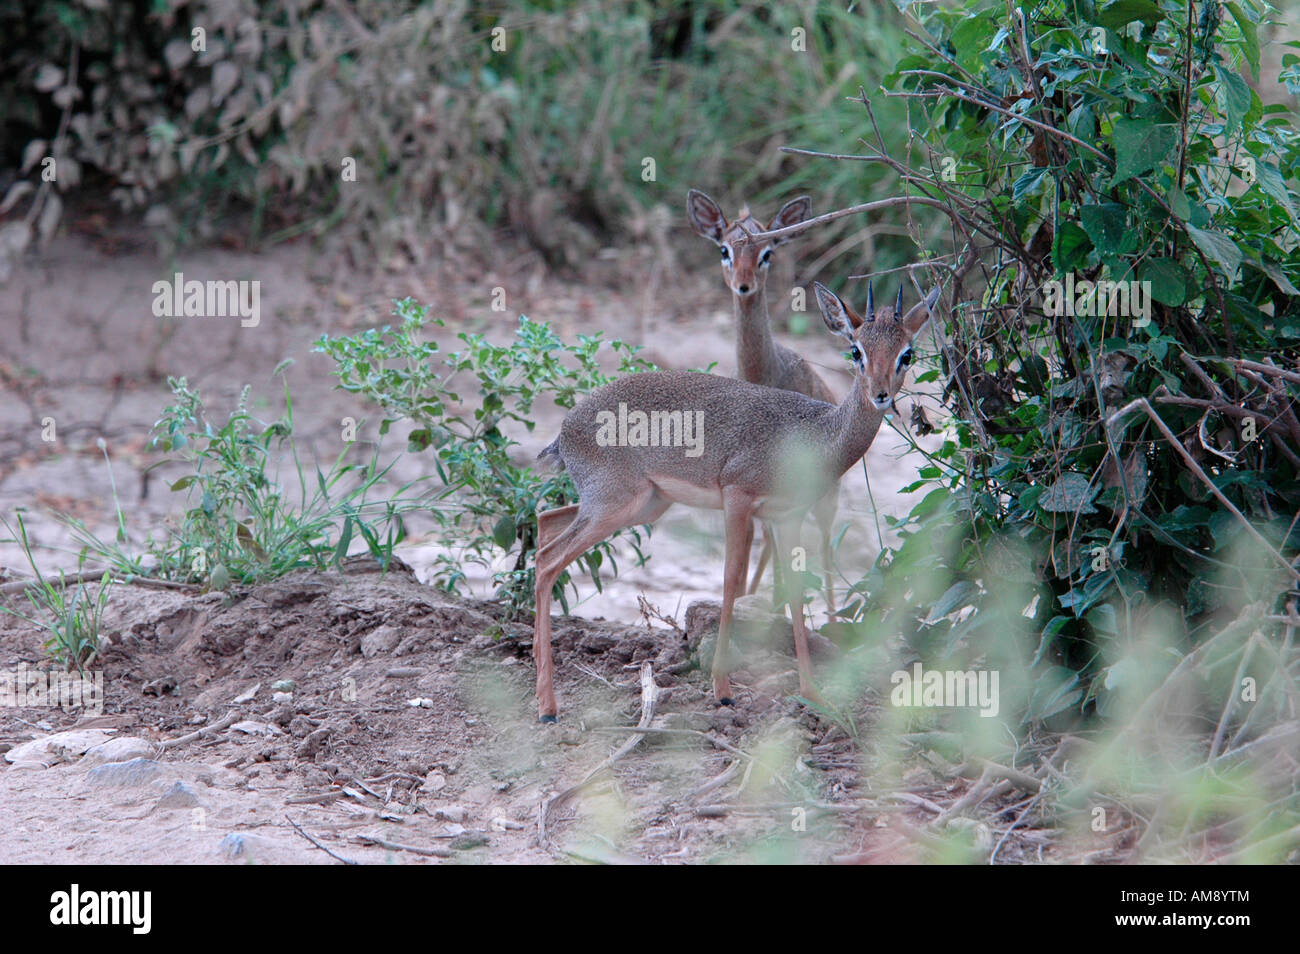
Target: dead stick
(74,579)
(231,717)
(396,846)
(346,861)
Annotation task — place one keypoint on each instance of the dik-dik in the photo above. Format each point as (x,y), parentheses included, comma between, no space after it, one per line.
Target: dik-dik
(759,358)
(752,451)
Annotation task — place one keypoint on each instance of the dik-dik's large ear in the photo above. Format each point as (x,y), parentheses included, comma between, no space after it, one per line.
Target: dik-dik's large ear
(921,312)
(705,216)
(839,317)
(792,213)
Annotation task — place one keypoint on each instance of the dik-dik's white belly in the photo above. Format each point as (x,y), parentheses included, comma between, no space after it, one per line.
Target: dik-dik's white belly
(684,492)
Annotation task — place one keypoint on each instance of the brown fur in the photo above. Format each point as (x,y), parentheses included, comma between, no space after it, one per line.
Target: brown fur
(766,453)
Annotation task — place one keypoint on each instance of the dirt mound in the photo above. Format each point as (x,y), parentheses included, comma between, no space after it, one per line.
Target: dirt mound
(391,721)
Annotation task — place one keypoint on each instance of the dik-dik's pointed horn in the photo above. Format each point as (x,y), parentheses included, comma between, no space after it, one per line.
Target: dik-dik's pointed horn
(898,304)
(871,303)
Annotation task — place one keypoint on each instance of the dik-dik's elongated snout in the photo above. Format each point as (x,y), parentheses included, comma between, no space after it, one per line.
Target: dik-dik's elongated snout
(880,341)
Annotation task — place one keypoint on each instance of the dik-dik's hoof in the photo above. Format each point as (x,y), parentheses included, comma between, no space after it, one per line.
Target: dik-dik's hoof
(551,719)
(726,701)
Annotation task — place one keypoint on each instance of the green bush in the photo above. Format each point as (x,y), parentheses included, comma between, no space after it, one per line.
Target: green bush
(1107,478)
(487,505)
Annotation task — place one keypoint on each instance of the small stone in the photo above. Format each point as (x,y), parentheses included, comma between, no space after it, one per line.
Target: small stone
(118,750)
(283,685)
(435,781)
(263,729)
(233,845)
(381,640)
(451,813)
(468,840)
(131,774)
(281,698)
(179,795)
(312,744)
(248,694)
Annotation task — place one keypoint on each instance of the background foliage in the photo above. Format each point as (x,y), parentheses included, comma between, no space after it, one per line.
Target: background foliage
(450,137)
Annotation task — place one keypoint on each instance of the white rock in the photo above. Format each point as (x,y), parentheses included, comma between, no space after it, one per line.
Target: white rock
(49,749)
(118,750)
(263,729)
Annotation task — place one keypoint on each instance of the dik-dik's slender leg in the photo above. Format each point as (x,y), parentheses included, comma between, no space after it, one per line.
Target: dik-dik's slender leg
(738,514)
(764,556)
(787,534)
(825,514)
(584,525)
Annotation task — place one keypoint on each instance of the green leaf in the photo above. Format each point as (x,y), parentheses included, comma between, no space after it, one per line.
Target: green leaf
(345,538)
(1123,12)
(1236,97)
(1105,225)
(1028,184)
(1072,493)
(1249,33)
(418,439)
(1269,179)
(1140,146)
(954,598)
(504,532)
(1168,280)
(1218,248)
(183,483)
(1056,690)
(1280,279)
(1070,250)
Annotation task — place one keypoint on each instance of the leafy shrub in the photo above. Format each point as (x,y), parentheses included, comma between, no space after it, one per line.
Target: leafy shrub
(1107,477)
(69,610)
(488,503)
(244,525)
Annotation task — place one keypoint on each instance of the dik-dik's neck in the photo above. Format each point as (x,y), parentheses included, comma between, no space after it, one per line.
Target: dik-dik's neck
(755,350)
(852,427)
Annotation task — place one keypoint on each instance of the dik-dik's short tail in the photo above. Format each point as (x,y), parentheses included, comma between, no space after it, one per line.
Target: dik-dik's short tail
(551,452)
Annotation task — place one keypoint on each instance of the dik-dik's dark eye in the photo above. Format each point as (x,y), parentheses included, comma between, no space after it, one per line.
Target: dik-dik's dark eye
(766,257)
(905,358)
(856,352)
(726,254)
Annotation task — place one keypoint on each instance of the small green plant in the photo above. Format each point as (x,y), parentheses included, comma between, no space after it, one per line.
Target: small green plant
(488,502)
(241,526)
(69,611)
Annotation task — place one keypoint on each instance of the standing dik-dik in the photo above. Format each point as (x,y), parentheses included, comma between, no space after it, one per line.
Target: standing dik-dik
(646,441)
(759,359)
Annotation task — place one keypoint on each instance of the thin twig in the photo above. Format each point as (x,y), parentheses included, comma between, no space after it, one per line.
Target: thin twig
(230,719)
(346,861)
